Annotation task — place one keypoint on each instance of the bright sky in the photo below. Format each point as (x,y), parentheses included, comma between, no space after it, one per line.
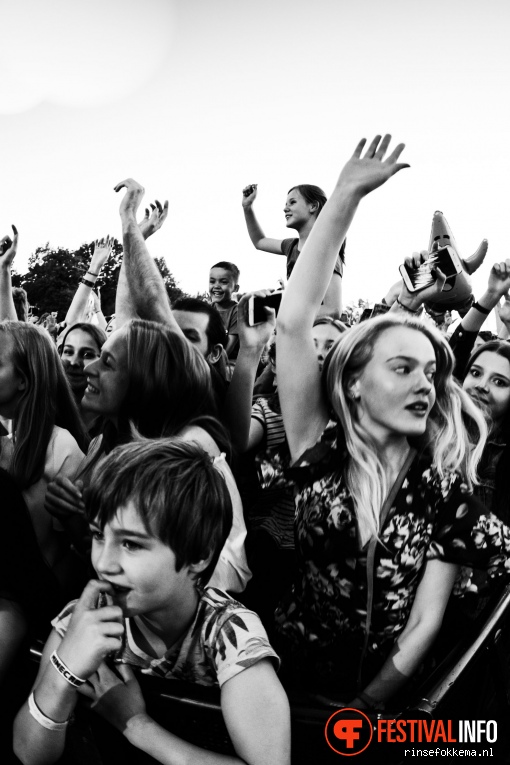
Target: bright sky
(197,98)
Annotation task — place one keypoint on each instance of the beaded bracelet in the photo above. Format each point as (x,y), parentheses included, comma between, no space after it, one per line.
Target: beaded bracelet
(480,308)
(87,282)
(41,718)
(66,673)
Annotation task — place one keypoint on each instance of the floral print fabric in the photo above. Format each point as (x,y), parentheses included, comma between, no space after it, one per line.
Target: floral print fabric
(224,639)
(323,619)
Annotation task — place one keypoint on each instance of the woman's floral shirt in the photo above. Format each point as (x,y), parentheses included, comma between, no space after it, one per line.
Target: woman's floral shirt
(432,517)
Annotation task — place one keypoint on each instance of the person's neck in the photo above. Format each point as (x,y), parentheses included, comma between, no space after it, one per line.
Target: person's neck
(304,232)
(393,453)
(170,625)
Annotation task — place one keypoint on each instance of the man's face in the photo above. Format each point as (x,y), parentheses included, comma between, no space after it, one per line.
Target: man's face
(194,327)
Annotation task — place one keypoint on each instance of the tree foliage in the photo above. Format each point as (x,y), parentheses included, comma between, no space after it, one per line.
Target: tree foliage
(54,274)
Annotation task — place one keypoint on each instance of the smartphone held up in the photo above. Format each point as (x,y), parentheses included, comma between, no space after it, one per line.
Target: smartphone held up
(256,307)
(445,259)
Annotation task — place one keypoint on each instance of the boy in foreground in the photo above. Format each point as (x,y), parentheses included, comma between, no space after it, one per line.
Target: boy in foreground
(159,515)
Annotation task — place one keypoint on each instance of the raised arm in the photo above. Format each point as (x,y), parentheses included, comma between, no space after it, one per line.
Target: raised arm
(257,236)
(245,431)
(78,307)
(305,413)
(8,248)
(146,287)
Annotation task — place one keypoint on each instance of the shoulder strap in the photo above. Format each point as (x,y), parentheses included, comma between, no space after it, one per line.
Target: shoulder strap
(372,545)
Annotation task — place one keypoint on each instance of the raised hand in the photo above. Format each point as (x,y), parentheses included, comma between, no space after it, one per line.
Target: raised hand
(257,336)
(499,278)
(153,218)
(8,248)
(132,198)
(361,175)
(93,633)
(116,696)
(503,309)
(249,195)
(103,248)
(413,300)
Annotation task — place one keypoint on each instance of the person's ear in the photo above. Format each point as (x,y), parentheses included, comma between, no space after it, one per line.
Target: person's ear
(199,566)
(214,354)
(353,390)
(236,288)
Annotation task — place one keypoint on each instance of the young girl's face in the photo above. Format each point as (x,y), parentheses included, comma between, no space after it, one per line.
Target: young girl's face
(11,382)
(395,391)
(107,377)
(78,351)
(297,210)
(488,384)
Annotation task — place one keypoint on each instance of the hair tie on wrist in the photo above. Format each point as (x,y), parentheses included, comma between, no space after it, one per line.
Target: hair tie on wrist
(92,273)
(45,722)
(64,670)
(87,282)
(369,701)
(480,308)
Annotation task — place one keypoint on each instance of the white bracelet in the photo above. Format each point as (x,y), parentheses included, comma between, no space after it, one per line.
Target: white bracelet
(42,719)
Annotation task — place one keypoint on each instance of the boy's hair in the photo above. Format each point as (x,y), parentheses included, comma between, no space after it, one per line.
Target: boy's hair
(229,267)
(179,495)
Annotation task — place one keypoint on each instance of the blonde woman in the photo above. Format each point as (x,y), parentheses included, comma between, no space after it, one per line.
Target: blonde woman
(383,467)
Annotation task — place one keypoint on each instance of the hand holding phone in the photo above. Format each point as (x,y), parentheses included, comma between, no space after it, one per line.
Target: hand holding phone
(256,306)
(419,277)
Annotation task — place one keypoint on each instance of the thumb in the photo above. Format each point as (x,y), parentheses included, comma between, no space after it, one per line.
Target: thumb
(440,279)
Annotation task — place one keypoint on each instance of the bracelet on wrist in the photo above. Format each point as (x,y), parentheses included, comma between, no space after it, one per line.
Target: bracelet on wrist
(40,717)
(406,308)
(480,308)
(87,282)
(64,670)
(92,273)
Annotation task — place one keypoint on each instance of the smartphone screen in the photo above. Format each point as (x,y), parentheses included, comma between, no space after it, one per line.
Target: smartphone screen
(422,277)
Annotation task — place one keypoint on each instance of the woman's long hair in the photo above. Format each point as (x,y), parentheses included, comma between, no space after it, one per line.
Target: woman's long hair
(169,388)
(45,401)
(445,439)
(500,501)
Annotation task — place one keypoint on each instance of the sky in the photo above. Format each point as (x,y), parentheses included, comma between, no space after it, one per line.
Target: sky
(197,98)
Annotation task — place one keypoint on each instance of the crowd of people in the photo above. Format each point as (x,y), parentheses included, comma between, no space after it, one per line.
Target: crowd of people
(280,509)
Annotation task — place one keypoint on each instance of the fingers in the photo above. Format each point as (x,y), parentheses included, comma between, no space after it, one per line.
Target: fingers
(130,184)
(370,152)
(359,148)
(125,672)
(381,151)
(440,279)
(395,154)
(91,593)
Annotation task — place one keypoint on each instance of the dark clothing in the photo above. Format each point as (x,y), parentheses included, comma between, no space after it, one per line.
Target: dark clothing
(291,252)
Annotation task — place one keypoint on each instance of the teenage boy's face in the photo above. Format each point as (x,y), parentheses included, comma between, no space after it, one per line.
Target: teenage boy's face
(221,285)
(140,568)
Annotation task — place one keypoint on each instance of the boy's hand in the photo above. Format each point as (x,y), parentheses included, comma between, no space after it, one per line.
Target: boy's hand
(93,632)
(257,336)
(8,248)
(132,198)
(153,218)
(249,195)
(116,699)
(361,175)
